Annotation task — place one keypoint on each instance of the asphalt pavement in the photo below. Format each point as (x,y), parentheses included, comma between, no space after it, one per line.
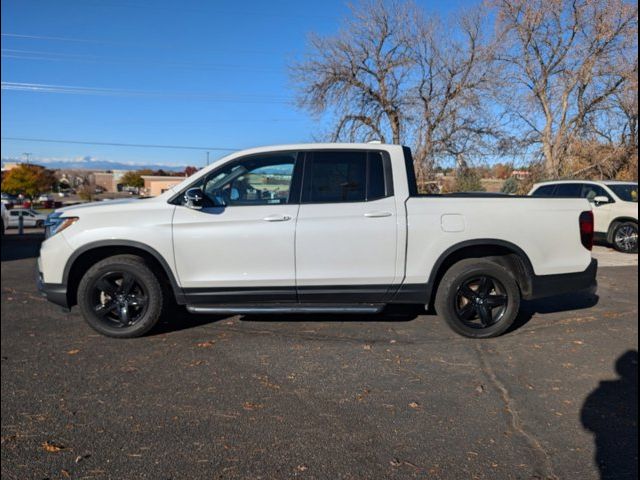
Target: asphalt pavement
(325,397)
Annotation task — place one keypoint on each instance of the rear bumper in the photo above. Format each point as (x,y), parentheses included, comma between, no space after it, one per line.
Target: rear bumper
(53,292)
(550,285)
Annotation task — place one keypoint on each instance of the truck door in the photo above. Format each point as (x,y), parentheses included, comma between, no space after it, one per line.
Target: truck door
(346,228)
(240,246)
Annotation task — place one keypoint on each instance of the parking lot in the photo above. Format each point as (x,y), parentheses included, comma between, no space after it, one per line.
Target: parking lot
(392,396)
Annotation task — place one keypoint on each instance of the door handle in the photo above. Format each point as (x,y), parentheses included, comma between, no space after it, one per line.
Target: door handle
(277,218)
(377,214)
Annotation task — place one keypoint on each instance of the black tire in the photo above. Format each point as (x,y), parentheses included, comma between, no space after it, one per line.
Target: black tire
(625,237)
(39,224)
(470,289)
(121,297)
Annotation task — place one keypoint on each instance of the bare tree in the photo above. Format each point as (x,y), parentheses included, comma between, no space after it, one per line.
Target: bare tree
(392,74)
(360,74)
(455,69)
(566,61)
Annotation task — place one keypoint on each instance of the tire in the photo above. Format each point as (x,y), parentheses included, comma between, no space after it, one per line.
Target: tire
(625,237)
(39,224)
(121,297)
(472,287)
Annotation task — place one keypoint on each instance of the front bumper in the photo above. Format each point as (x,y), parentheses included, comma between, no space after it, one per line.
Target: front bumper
(54,292)
(550,285)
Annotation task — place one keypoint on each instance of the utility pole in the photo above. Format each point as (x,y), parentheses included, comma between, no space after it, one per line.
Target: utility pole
(28,156)
(207,158)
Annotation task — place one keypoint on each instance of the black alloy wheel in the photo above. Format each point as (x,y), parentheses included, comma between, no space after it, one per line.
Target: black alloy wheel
(119,298)
(481,302)
(122,296)
(479,297)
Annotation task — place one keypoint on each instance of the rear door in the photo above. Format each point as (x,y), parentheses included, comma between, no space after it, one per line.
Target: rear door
(346,228)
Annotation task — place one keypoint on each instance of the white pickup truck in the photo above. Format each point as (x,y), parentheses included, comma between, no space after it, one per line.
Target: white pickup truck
(317,228)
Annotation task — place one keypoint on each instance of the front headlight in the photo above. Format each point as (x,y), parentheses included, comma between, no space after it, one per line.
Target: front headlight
(56,224)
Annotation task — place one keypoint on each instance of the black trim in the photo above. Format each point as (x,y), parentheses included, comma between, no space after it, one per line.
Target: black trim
(413,293)
(177,291)
(236,295)
(412,183)
(485,243)
(550,285)
(326,294)
(344,294)
(53,292)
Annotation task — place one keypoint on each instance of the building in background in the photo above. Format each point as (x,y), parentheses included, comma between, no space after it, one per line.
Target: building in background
(154,185)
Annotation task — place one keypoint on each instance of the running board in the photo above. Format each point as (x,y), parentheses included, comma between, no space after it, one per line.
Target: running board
(267,309)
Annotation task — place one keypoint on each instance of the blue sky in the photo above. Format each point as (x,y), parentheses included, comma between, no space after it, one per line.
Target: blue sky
(210,74)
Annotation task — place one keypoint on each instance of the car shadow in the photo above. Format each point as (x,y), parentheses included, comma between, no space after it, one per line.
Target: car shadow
(391,313)
(178,318)
(20,247)
(610,412)
(558,303)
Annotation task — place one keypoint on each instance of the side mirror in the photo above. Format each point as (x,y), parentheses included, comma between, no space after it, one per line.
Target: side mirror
(194,198)
(600,200)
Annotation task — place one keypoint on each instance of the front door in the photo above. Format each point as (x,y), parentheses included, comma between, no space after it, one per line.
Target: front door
(240,246)
(346,228)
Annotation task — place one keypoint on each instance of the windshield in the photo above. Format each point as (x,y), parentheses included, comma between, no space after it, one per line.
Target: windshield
(626,192)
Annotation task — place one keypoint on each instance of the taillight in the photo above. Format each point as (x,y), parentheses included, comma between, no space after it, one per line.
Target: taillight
(586,229)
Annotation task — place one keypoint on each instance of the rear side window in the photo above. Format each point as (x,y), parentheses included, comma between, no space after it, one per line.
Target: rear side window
(544,191)
(346,177)
(572,190)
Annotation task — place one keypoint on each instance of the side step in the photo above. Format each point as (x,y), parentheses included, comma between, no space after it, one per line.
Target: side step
(291,308)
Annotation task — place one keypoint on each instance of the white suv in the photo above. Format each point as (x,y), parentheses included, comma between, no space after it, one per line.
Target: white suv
(615,207)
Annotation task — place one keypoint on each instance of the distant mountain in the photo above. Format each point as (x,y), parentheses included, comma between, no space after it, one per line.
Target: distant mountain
(89,163)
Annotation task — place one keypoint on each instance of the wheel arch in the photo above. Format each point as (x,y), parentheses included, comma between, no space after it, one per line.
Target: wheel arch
(506,254)
(89,254)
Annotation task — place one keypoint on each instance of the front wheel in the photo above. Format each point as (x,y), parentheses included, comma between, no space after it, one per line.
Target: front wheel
(625,237)
(478,298)
(120,296)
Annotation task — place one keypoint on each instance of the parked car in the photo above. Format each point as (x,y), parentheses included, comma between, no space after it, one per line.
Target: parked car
(30,217)
(316,228)
(4,214)
(615,207)
(8,200)
(45,198)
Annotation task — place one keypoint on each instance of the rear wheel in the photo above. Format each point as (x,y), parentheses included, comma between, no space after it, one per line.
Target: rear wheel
(478,298)
(120,296)
(625,237)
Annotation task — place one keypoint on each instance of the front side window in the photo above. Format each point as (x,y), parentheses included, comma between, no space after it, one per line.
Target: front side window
(591,191)
(259,180)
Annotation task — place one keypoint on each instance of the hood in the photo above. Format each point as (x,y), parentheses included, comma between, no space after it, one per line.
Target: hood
(105,203)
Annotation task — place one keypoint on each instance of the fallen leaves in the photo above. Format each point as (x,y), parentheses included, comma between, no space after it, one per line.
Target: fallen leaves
(207,344)
(252,406)
(415,405)
(75,351)
(53,447)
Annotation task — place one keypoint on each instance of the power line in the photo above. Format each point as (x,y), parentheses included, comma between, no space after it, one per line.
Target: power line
(77,90)
(120,144)
(94,59)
